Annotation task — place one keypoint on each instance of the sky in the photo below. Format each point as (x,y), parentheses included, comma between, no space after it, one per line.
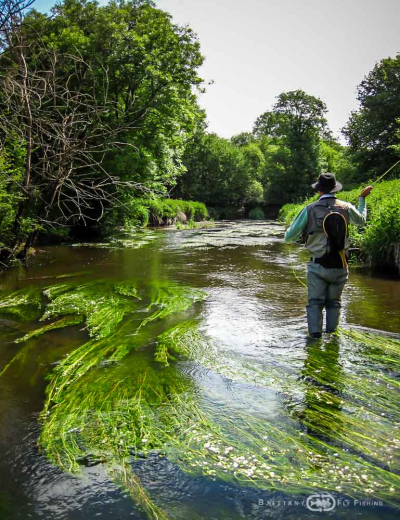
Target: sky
(256,49)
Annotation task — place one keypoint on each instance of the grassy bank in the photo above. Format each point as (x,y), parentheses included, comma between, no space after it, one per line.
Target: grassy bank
(141,212)
(378,240)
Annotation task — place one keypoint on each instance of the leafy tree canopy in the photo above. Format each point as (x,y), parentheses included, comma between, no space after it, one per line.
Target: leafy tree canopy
(373,130)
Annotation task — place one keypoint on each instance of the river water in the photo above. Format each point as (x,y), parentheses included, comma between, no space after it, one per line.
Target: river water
(263,387)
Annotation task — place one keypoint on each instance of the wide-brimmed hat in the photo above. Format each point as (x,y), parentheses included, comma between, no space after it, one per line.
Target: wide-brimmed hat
(327,183)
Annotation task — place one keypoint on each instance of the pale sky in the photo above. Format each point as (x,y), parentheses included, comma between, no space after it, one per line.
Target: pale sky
(256,49)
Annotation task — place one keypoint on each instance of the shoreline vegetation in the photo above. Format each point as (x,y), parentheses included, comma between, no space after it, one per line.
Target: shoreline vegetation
(378,243)
(101,128)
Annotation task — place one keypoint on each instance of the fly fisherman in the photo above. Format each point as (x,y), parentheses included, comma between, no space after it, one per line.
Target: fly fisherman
(324,224)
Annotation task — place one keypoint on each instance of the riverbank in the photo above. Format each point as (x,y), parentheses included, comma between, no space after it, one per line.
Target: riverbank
(378,244)
(132,212)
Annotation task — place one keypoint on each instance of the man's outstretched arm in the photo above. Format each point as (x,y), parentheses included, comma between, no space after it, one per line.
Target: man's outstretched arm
(359,217)
(297,227)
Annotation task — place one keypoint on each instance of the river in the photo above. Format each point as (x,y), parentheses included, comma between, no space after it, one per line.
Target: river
(199,394)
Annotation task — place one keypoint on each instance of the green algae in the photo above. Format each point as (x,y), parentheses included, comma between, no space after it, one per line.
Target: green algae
(25,303)
(67,321)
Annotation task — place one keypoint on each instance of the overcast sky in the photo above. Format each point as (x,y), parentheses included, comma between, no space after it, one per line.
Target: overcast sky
(256,49)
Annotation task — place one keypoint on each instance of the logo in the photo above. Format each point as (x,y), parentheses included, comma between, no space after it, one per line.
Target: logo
(321,502)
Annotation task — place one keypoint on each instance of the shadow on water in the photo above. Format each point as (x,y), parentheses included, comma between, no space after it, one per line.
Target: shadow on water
(215,409)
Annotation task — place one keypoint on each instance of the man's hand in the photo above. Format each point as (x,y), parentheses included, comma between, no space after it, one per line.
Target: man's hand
(366,191)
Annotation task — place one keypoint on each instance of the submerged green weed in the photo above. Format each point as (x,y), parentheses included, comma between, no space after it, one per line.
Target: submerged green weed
(183,339)
(25,303)
(337,430)
(67,321)
(169,298)
(103,307)
(332,438)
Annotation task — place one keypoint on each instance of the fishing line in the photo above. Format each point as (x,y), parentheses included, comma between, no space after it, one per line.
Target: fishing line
(386,172)
(295,274)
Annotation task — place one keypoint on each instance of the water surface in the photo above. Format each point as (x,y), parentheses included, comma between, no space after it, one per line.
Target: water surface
(263,383)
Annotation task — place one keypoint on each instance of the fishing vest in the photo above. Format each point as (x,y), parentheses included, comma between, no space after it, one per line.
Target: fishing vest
(316,240)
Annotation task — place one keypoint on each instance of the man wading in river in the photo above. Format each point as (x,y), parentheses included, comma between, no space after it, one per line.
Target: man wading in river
(325,226)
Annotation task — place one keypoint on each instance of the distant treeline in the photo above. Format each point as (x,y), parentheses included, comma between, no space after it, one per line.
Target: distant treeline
(99,113)
(291,145)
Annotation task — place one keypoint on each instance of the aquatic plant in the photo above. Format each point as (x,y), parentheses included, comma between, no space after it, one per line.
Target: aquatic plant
(115,413)
(73,275)
(170,298)
(26,303)
(103,307)
(122,395)
(67,321)
(21,354)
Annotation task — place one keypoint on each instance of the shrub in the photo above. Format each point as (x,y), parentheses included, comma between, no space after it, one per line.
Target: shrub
(154,206)
(384,230)
(136,213)
(199,211)
(257,214)
(139,211)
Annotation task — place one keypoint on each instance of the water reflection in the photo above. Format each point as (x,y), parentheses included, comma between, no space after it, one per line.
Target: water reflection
(323,375)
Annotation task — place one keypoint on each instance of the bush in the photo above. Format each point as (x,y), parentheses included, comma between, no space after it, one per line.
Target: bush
(257,214)
(199,211)
(139,211)
(288,212)
(136,213)
(383,231)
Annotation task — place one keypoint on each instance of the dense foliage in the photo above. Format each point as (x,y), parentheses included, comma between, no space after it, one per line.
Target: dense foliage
(373,130)
(94,100)
(141,211)
(289,147)
(100,122)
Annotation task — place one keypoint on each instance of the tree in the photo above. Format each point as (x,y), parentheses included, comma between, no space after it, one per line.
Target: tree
(372,131)
(269,124)
(296,126)
(339,159)
(101,98)
(11,11)
(216,172)
(243,139)
(254,160)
